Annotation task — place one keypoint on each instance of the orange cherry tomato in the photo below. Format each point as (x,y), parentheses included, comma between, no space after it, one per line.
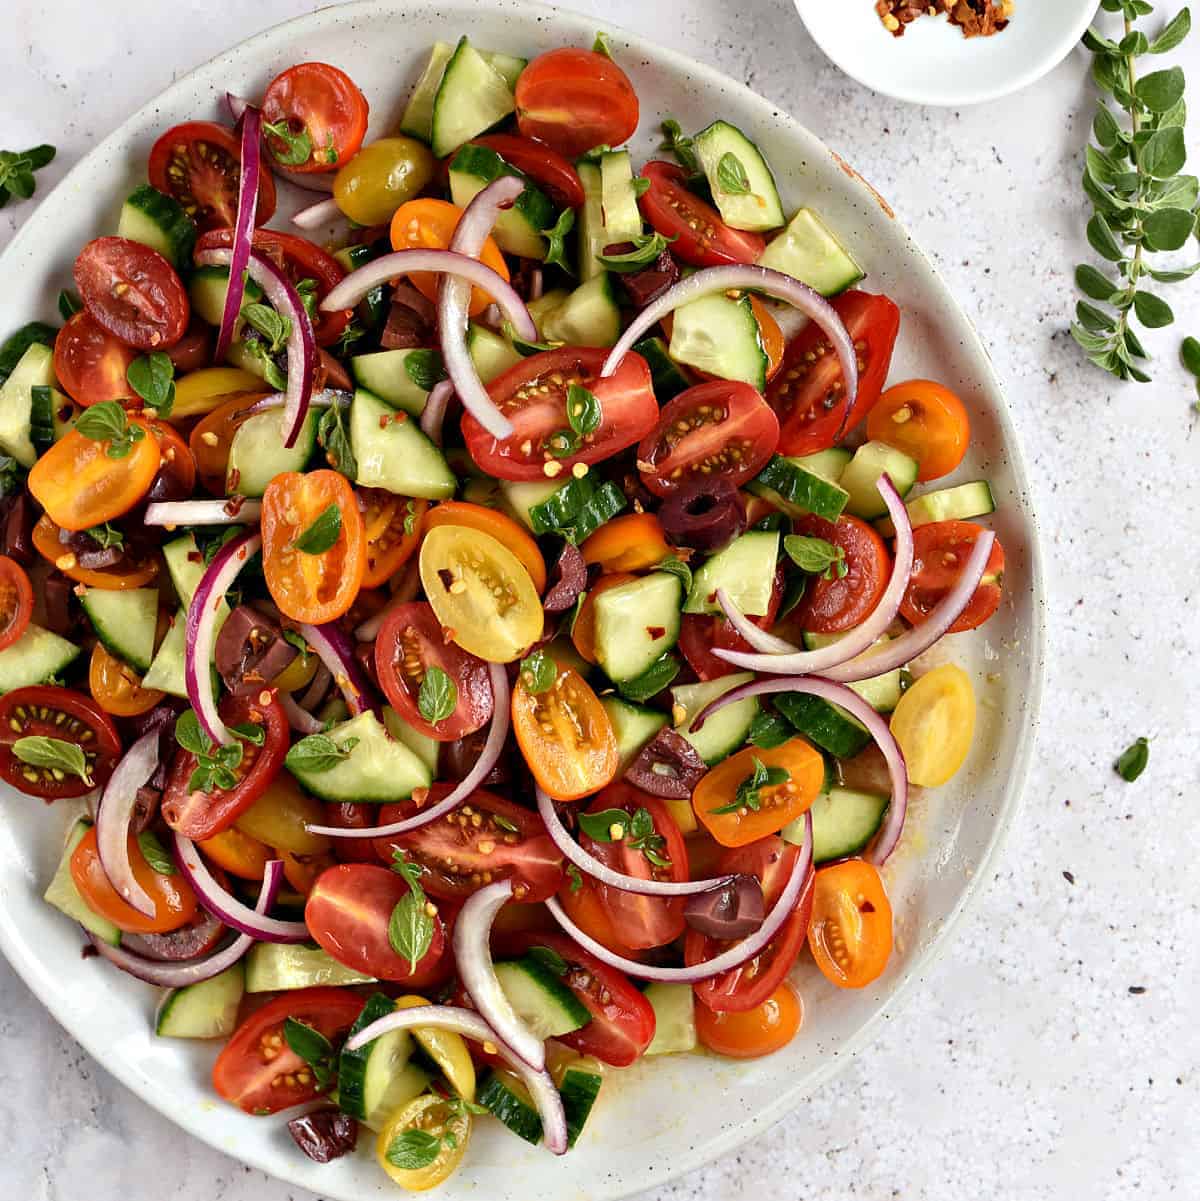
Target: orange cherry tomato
(630,543)
(302,871)
(80,485)
(174,901)
(238,853)
(501,527)
(753,1032)
(850,934)
(772,806)
(16,601)
(583,632)
(129,572)
(176,475)
(925,421)
(430,224)
(585,908)
(770,334)
(393,532)
(312,587)
(212,437)
(117,688)
(565,735)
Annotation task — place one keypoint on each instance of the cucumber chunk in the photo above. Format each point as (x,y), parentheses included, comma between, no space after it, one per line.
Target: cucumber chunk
(637,623)
(618,200)
(589,316)
(35,656)
(524,496)
(64,896)
(34,369)
(376,1080)
(675,1021)
(257,453)
(506,1098)
(540,999)
(398,376)
(424,747)
(745,569)
(393,453)
(33,333)
(518,230)
(276,967)
(796,487)
(592,235)
(207,288)
(471,97)
(166,672)
(578,1089)
(125,622)
(418,115)
(960,503)
(668,380)
(808,251)
(158,221)
(633,725)
(720,336)
(844,822)
(208,1009)
(861,477)
(724,732)
(824,724)
(491,353)
(743,188)
(880,692)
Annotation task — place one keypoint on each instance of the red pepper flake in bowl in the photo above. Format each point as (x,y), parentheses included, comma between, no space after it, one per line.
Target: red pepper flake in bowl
(976,18)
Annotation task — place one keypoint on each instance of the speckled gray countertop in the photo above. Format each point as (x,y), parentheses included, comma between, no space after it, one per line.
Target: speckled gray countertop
(1027,1068)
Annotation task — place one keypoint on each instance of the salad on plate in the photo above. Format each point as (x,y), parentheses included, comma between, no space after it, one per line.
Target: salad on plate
(483,620)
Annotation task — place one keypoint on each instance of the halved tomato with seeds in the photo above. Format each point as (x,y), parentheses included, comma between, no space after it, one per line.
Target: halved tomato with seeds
(137,565)
(393,529)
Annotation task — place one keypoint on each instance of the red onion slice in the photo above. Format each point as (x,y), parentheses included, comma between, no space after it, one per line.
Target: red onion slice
(299,719)
(317,689)
(470,1025)
(781,658)
(762,279)
(334,650)
(562,839)
(237,510)
(473,959)
(180,975)
(324,212)
(434,412)
(301,346)
(116,811)
(497,733)
(236,105)
(846,698)
(227,908)
(243,226)
(318,400)
(202,630)
(734,956)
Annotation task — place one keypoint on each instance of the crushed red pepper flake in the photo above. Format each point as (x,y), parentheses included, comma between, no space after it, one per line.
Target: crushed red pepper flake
(976,18)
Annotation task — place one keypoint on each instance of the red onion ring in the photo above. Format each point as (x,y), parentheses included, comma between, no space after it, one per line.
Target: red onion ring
(243,227)
(301,346)
(318,688)
(410,585)
(299,718)
(318,400)
(762,279)
(202,630)
(237,105)
(434,412)
(324,212)
(203,512)
(180,975)
(562,839)
(309,181)
(116,811)
(781,658)
(470,1025)
(492,747)
(733,957)
(334,650)
(228,909)
(838,694)
(473,959)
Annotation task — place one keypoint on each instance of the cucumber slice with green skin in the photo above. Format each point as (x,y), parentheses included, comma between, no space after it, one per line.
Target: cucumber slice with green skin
(508,66)
(637,623)
(844,822)
(257,453)
(745,569)
(398,376)
(374,1081)
(578,1090)
(34,333)
(823,724)
(880,692)
(278,967)
(424,747)
(492,354)
(724,732)
(208,1009)
(720,336)
(518,230)
(395,454)
(34,369)
(64,896)
(51,416)
(417,120)
(377,769)
(618,200)
(540,999)
(207,288)
(543,495)
(592,235)
(35,656)
(674,1018)
(589,316)
(575,509)
(960,503)
(808,251)
(185,564)
(668,380)
(503,1095)
(471,97)
(633,725)
(125,622)
(158,221)
(861,478)
(743,188)
(166,671)
(796,489)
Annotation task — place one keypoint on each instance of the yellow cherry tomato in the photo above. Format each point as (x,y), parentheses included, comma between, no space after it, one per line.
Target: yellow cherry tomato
(444,1132)
(298,673)
(447,1049)
(934,724)
(381,177)
(280,815)
(200,392)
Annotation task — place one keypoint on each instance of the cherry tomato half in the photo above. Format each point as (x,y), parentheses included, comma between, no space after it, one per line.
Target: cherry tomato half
(940,551)
(117,688)
(319,101)
(16,601)
(133,292)
(755,1032)
(135,567)
(583,906)
(633,542)
(925,421)
(547,168)
(700,634)
(393,530)
(90,363)
(500,526)
(851,931)
(840,603)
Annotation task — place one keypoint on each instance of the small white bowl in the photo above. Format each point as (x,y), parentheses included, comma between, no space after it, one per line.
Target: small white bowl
(933,63)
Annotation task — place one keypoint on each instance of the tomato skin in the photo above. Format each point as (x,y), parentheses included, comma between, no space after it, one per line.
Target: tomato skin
(47,709)
(727,430)
(584,907)
(701,237)
(222,421)
(940,551)
(253,1068)
(237,853)
(623,1022)
(16,601)
(389,544)
(831,606)
(574,99)
(199,815)
(626,398)
(409,642)
(549,170)
(851,952)
(632,542)
(927,422)
(206,182)
(750,1034)
(347,913)
(809,394)
(133,292)
(90,363)
(116,688)
(499,525)
(175,478)
(324,101)
(352,815)
(749,985)
(130,572)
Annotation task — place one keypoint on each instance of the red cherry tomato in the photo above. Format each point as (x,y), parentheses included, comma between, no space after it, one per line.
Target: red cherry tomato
(547,168)
(322,102)
(837,604)
(808,392)
(353,815)
(753,1032)
(198,163)
(90,363)
(701,237)
(533,395)
(193,350)
(940,551)
(16,601)
(574,99)
(700,634)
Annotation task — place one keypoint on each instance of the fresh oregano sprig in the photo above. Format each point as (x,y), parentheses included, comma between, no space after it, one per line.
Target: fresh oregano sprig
(1141,201)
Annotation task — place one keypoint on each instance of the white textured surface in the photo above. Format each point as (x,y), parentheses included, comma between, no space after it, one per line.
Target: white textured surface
(1025,1070)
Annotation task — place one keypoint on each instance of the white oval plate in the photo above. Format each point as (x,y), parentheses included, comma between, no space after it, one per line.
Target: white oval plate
(932,63)
(664,1116)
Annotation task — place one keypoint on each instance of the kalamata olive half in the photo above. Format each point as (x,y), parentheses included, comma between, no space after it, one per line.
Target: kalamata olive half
(704,514)
(667,766)
(567,580)
(325,1134)
(733,911)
